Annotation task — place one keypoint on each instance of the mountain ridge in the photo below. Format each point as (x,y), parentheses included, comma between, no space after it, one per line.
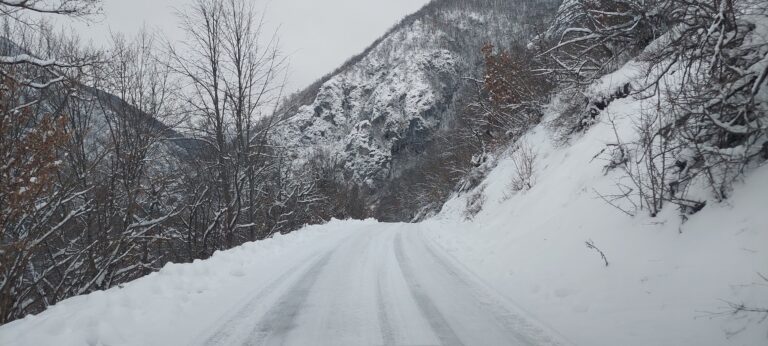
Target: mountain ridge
(383,107)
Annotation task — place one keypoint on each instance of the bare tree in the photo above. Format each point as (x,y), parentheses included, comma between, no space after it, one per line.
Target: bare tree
(41,67)
(32,206)
(512,94)
(236,80)
(72,8)
(134,95)
(590,38)
(37,207)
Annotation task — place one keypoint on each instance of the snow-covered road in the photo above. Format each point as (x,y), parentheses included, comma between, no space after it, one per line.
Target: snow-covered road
(343,283)
(385,284)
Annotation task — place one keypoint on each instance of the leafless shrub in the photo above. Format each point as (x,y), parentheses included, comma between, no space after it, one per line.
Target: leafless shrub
(572,115)
(590,38)
(708,122)
(743,312)
(651,178)
(524,160)
(717,113)
(475,203)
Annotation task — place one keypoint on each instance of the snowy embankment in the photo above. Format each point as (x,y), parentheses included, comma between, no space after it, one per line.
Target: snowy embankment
(668,282)
(665,284)
(173,306)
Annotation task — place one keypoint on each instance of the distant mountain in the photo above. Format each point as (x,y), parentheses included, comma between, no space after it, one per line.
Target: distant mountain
(377,112)
(181,146)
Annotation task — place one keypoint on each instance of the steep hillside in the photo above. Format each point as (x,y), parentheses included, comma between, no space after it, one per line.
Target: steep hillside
(379,112)
(665,280)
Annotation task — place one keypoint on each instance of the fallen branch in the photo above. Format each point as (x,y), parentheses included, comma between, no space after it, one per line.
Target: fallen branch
(591,245)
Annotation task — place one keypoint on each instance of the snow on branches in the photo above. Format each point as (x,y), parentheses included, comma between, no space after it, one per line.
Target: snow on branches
(60,7)
(706,118)
(589,38)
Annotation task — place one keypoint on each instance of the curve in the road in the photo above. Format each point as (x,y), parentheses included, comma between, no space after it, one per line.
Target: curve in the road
(386,284)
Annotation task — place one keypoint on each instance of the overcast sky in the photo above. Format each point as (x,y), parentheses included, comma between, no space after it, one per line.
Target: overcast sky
(318,35)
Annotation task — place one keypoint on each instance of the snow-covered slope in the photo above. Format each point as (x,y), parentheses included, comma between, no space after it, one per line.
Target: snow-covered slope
(668,282)
(366,112)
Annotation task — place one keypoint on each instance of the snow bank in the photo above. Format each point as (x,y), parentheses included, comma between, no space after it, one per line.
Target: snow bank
(668,282)
(194,296)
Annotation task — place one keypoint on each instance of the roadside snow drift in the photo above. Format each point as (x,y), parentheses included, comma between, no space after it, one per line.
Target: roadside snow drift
(172,306)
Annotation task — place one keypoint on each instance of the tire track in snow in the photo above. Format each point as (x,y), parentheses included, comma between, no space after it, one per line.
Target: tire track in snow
(223,335)
(280,319)
(385,324)
(523,328)
(384,315)
(436,320)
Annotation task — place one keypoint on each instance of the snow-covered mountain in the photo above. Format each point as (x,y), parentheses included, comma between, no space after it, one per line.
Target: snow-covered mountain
(378,111)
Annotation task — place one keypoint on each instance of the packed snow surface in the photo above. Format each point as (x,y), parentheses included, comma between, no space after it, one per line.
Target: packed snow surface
(345,283)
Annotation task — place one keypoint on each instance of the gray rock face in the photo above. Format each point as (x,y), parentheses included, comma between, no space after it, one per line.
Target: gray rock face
(376,113)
